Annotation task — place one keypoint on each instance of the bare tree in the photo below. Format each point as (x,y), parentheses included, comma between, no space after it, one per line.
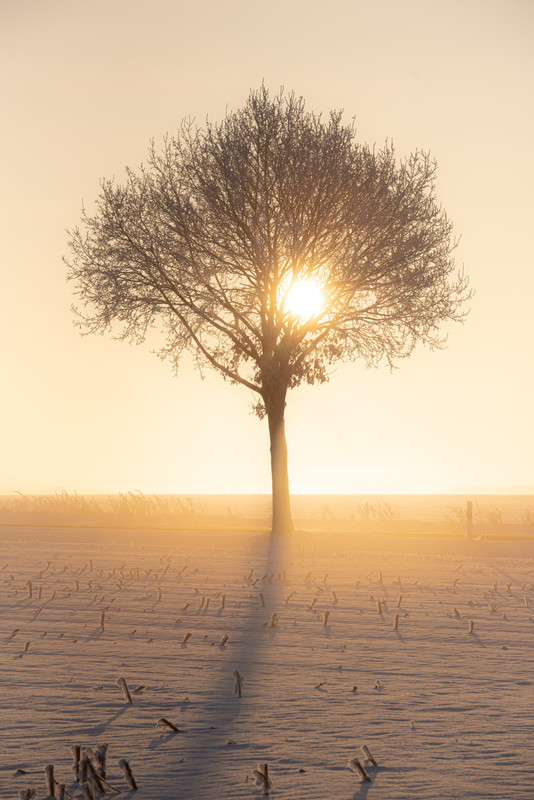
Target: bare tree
(213,239)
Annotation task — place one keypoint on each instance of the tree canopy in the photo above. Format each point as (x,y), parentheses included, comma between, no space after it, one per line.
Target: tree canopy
(209,238)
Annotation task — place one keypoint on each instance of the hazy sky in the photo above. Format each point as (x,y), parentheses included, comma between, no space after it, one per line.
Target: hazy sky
(86,85)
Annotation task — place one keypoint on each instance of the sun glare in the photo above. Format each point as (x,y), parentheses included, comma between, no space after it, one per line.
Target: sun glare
(304,299)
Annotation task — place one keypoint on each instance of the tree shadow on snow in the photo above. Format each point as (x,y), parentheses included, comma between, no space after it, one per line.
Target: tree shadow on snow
(205,749)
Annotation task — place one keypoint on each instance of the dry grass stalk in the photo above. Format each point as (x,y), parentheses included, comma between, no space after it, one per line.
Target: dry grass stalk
(261,777)
(238,683)
(76,752)
(124,686)
(83,769)
(369,755)
(396,623)
(100,757)
(49,779)
(124,765)
(163,722)
(355,765)
(94,777)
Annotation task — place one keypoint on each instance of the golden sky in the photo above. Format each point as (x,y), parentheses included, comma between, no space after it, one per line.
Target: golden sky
(86,85)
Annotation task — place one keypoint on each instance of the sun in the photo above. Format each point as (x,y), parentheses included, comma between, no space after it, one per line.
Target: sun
(304,300)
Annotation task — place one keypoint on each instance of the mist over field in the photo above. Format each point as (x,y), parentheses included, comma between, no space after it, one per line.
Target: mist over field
(492,515)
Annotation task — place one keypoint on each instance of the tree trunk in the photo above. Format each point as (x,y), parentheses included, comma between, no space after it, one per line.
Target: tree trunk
(282,519)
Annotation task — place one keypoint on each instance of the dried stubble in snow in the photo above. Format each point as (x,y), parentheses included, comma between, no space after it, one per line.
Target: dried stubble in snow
(94,778)
(124,686)
(163,722)
(261,777)
(76,753)
(356,766)
(99,755)
(125,766)
(238,683)
(369,755)
(49,780)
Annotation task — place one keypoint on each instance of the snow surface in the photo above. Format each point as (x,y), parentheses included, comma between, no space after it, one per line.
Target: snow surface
(445,713)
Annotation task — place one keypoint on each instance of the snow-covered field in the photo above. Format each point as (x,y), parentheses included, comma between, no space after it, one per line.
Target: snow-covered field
(341,640)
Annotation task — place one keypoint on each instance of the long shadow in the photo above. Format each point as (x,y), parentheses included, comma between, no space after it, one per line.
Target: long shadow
(399,636)
(202,750)
(101,727)
(96,634)
(365,787)
(362,791)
